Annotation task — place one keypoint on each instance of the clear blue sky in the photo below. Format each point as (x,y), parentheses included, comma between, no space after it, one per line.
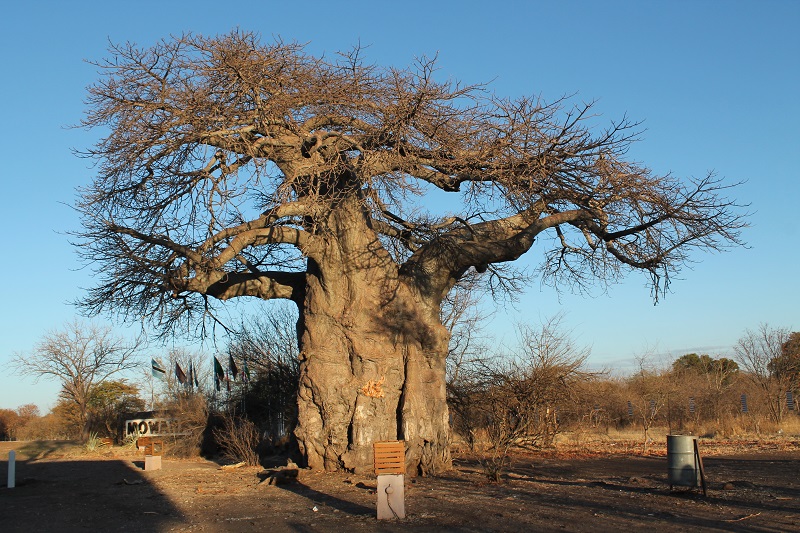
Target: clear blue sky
(716,82)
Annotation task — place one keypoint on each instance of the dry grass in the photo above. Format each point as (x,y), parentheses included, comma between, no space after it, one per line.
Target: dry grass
(631,441)
(739,437)
(581,442)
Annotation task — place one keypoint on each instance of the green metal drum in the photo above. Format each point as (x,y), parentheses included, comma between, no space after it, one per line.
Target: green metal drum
(684,469)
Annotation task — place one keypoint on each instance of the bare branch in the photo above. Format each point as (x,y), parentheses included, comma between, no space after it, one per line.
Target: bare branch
(228,159)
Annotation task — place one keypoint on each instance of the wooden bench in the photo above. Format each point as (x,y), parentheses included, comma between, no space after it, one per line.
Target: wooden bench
(150,445)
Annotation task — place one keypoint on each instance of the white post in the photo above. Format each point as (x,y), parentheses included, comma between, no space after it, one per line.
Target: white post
(12,459)
(391,500)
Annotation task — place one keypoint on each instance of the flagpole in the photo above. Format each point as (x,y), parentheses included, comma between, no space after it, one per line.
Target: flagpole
(160,372)
(228,395)
(246,381)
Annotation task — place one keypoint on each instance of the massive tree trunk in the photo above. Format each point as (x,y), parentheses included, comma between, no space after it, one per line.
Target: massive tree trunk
(372,352)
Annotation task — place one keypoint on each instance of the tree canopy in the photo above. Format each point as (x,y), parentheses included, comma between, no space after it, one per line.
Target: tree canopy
(225,158)
(705,364)
(786,366)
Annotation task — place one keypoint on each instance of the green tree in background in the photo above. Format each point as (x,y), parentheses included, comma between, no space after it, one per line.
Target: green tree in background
(786,366)
(108,401)
(705,364)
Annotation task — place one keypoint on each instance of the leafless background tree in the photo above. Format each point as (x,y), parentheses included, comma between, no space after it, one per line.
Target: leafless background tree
(186,404)
(755,351)
(232,168)
(80,356)
(194,364)
(650,388)
(531,389)
(267,344)
(469,359)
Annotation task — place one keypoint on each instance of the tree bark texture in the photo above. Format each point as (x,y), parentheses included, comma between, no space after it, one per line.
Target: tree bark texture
(372,359)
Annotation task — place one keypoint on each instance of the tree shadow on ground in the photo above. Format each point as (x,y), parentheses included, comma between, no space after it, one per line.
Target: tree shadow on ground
(42,449)
(71,494)
(320,498)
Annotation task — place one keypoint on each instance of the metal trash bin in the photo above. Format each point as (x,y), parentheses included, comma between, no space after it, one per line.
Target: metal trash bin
(683,461)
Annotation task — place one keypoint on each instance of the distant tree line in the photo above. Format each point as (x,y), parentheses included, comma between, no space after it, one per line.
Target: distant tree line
(523,395)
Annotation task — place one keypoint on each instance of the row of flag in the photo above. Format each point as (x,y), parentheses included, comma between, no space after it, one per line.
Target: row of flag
(191,380)
(233,372)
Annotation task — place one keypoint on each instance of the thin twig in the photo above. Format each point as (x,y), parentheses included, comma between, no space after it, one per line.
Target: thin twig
(743,518)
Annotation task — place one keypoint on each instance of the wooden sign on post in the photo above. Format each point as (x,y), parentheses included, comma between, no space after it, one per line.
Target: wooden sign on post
(390,457)
(152,447)
(390,467)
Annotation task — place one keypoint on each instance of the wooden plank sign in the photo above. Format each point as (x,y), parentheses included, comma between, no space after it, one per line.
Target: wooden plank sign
(151,445)
(390,457)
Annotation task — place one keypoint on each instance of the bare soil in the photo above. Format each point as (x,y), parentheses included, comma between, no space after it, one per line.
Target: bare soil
(752,486)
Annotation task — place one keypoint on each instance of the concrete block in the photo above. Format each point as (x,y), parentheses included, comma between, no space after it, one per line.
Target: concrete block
(152,462)
(391,497)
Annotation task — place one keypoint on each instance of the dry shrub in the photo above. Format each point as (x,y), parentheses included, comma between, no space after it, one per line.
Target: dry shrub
(494,461)
(238,440)
(190,418)
(48,427)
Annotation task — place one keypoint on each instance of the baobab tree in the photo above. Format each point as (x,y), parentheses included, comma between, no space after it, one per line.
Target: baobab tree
(232,168)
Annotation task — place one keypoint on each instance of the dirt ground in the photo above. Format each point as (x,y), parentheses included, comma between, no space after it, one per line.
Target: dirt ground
(751,487)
